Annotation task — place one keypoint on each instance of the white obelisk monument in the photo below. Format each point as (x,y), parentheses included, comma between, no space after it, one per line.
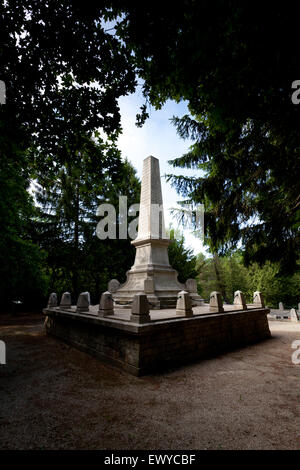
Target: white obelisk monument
(151,272)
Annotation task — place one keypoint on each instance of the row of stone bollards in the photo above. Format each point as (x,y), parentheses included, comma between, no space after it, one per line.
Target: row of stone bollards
(282,308)
(140,309)
(184,305)
(239,303)
(83,302)
(140,306)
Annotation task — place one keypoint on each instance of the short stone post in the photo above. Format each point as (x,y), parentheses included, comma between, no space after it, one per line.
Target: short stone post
(191,287)
(140,309)
(113,285)
(52,301)
(280,306)
(298,307)
(294,316)
(258,300)
(239,300)
(215,302)
(106,305)
(183,306)
(83,302)
(66,300)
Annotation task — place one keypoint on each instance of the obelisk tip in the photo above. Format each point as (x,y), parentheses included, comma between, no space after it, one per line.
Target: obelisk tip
(150,156)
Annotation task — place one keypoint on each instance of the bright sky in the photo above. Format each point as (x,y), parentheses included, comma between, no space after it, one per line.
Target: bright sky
(157,137)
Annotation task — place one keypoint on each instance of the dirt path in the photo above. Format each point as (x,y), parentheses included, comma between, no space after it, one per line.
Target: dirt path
(55,397)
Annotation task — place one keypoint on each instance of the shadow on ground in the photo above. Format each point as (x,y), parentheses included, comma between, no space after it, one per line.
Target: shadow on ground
(55,397)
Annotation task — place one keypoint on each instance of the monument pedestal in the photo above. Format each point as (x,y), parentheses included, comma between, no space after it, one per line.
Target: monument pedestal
(145,339)
(146,347)
(151,273)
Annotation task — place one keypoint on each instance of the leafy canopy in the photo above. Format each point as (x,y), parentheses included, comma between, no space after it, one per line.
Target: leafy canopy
(63,70)
(64,73)
(66,224)
(234,64)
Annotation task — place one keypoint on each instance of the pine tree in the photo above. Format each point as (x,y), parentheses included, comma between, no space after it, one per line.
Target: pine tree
(66,228)
(235,70)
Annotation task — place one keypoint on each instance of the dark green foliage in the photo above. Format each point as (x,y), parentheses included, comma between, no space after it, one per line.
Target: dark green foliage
(64,74)
(52,55)
(228,274)
(223,274)
(78,260)
(182,259)
(234,64)
(22,263)
(276,287)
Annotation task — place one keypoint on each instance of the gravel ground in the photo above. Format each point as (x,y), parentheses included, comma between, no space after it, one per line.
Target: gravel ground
(55,397)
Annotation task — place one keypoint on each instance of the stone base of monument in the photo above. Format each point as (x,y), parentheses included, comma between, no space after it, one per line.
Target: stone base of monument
(167,340)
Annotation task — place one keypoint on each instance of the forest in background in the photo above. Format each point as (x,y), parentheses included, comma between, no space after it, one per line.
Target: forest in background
(65,67)
(228,274)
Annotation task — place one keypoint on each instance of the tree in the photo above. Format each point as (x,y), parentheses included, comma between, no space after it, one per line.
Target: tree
(232,275)
(63,74)
(77,260)
(275,287)
(213,276)
(63,70)
(236,276)
(22,263)
(235,65)
(182,259)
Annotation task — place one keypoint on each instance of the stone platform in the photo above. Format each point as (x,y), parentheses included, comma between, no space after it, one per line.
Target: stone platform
(151,272)
(167,340)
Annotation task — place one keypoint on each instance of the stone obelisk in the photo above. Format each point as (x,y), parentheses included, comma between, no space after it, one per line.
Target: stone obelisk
(151,273)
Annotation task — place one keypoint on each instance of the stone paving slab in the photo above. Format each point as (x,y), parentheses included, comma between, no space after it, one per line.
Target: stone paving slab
(123,314)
